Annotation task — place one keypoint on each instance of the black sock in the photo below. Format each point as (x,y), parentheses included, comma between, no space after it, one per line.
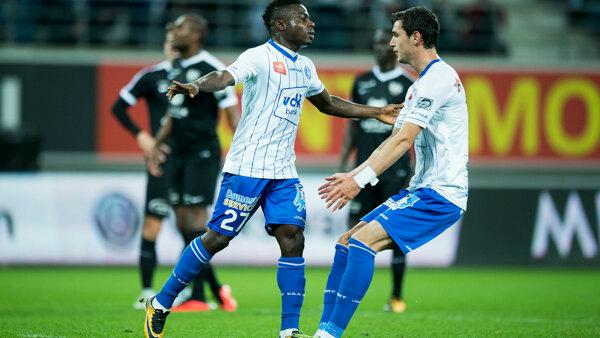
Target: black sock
(208,274)
(398,267)
(198,285)
(147,262)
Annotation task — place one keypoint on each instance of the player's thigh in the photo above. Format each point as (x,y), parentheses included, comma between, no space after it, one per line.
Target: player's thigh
(157,190)
(284,203)
(414,219)
(239,197)
(199,178)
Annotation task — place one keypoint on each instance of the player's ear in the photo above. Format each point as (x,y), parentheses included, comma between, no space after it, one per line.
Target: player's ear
(416,38)
(279,25)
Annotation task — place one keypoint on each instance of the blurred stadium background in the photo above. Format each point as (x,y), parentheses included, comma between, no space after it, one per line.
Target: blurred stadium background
(72,180)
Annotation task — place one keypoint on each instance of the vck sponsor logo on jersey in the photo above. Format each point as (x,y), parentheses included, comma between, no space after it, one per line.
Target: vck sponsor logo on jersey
(293,104)
(279,67)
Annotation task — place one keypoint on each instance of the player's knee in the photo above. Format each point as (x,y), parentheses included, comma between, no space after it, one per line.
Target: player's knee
(343,240)
(151,228)
(215,242)
(293,244)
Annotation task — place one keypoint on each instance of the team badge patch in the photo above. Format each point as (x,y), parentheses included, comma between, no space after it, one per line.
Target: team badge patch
(307,72)
(424,103)
(279,67)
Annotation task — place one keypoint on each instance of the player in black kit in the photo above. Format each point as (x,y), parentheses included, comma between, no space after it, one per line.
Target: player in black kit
(385,83)
(195,155)
(151,84)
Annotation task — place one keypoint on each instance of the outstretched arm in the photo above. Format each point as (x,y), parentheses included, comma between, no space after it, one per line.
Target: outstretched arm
(336,106)
(211,82)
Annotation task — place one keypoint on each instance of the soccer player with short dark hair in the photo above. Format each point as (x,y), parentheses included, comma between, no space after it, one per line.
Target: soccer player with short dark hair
(259,170)
(385,83)
(435,119)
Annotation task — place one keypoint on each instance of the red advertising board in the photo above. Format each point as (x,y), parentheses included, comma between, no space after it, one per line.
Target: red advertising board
(514,116)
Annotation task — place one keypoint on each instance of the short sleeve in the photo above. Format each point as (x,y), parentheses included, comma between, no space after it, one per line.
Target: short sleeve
(432,94)
(226,97)
(246,66)
(137,87)
(315,86)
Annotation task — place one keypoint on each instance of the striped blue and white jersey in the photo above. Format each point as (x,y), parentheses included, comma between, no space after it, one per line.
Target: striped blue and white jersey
(437,103)
(276,81)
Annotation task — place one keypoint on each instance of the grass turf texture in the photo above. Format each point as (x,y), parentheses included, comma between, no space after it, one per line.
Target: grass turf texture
(507,302)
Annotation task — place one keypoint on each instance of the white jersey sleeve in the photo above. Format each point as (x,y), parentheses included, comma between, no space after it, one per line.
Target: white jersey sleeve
(433,93)
(315,86)
(246,67)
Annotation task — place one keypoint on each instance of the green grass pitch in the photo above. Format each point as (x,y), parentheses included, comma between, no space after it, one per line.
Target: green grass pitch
(456,302)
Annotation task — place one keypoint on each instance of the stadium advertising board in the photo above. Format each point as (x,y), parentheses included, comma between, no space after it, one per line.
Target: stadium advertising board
(50,218)
(514,116)
(95,219)
(531,227)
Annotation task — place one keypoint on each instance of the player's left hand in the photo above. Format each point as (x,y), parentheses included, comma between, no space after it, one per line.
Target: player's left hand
(389,113)
(339,189)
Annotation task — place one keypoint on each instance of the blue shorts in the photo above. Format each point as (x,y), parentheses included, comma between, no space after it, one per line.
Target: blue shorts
(281,200)
(414,218)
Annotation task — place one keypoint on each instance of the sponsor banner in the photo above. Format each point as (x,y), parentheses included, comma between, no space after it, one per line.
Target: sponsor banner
(96,219)
(516,116)
(533,227)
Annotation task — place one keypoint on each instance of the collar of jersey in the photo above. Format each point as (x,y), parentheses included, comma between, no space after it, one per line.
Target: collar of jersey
(386,76)
(429,66)
(194,59)
(285,51)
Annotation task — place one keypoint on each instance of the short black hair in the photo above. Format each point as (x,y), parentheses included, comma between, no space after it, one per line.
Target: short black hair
(419,19)
(272,10)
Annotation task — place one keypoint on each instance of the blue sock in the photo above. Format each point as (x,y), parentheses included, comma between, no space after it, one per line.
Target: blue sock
(340,259)
(356,281)
(291,282)
(192,260)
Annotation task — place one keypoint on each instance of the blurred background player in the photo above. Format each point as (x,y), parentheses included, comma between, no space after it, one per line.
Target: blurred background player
(385,83)
(150,84)
(195,158)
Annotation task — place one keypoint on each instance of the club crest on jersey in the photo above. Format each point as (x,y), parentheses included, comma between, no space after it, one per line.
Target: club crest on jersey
(307,72)
(299,199)
(424,103)
(279,67)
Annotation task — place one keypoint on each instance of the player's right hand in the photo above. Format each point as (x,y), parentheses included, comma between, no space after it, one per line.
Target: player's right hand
(156,158)
(182,88)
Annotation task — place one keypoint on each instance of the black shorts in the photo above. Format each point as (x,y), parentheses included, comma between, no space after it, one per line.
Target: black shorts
(193,179)
(372,196)
(157,196)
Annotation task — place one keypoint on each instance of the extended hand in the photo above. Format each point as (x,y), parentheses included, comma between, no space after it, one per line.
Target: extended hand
(156,158)
(389,113)
(338,190)
(182,88)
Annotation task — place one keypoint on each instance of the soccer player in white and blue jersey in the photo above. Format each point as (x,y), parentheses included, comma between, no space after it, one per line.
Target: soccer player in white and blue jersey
(435,119)
(259,170)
